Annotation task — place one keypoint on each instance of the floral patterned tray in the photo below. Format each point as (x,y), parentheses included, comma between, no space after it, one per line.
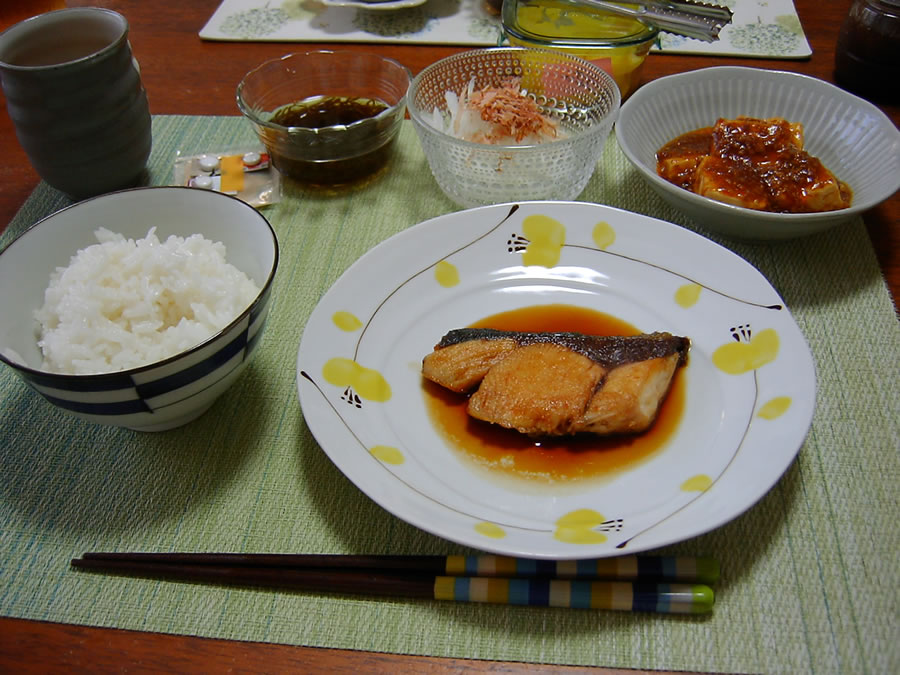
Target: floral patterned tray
(761,28)
(456,22)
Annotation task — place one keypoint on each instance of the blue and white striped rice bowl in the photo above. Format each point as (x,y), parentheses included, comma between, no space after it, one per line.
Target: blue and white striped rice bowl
(852,137)
(161,395)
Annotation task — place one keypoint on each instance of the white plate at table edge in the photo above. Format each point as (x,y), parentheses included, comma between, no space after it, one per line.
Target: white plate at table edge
(384,6)
(750,379)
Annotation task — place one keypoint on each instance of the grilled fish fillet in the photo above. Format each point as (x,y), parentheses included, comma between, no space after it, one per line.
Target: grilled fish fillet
(554,384)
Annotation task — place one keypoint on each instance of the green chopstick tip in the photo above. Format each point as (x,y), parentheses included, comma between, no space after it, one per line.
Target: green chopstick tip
(708,570)
(704,599)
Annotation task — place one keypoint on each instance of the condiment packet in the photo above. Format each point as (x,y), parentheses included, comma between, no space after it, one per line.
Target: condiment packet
(245,173)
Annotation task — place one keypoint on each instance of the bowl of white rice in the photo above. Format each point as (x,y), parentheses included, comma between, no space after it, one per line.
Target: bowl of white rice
(137,308)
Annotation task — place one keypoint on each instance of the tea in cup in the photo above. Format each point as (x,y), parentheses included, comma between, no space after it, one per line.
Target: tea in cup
(74,94)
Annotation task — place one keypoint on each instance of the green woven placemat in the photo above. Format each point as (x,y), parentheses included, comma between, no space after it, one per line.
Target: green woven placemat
(810,573)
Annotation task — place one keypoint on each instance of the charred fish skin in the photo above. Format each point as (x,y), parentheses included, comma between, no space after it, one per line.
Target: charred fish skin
(608,351)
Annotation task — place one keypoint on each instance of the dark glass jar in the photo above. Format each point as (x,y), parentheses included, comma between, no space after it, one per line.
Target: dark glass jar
(867,60)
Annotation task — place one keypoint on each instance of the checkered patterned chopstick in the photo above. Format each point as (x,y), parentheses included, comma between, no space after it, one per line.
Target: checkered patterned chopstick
(615,595)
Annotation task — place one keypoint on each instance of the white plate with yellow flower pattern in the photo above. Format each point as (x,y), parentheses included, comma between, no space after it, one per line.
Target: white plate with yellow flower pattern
(749,386)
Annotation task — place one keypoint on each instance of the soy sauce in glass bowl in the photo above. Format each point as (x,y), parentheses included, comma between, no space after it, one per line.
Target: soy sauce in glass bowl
(326,118)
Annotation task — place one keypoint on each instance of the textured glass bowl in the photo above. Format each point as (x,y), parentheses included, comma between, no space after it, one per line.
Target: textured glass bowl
(579,95)
(851,137)
(328,155)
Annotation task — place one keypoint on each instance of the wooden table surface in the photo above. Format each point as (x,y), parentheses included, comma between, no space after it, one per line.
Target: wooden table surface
(184,75)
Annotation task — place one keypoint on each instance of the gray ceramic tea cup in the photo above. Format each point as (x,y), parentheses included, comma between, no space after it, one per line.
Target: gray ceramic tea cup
(75,97)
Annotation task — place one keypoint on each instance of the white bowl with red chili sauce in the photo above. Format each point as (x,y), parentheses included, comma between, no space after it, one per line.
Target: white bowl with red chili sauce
(855,140)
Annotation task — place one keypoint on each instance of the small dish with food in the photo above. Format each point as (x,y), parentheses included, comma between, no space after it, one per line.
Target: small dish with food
(137,308)
(327,118)
(759,154)
(509,124)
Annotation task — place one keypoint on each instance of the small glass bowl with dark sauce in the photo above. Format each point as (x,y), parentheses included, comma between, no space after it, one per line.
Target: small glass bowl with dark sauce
(327,118)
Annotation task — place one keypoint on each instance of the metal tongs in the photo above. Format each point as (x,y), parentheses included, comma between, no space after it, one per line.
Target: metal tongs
(690,18)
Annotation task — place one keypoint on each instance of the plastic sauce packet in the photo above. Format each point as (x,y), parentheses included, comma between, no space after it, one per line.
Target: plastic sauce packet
(243,173)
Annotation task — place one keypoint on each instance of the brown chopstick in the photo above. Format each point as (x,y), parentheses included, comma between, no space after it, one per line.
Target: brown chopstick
(622,568)
(411,563)
(309,579)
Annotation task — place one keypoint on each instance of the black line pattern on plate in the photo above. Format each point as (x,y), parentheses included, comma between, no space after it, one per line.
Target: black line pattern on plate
(512,210)
(741,333)
(351,397)
(381,464)
(715,480)
(518,243)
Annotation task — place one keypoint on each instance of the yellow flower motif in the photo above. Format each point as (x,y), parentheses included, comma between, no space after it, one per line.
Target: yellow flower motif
(775,408)
(687,295)
(346,321)
(446,274)
(491,530)
(546,238)
(387,454)
(699,483)
(737,358)
(368,383)
(604,236)
(577,527)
